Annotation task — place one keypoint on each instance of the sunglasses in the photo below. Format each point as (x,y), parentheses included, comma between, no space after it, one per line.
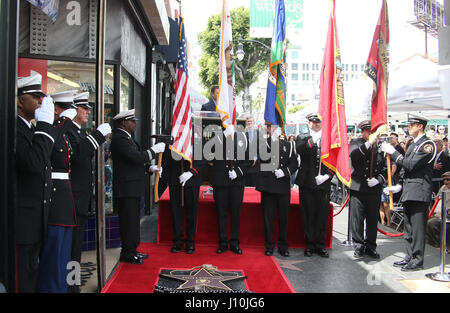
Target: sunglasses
(446,179)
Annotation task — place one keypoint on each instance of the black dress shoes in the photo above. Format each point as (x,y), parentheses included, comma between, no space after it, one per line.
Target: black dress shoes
(131,259)
(236,249)
(309,252)
(190,249)
(269,252)
(323,253)
(401,263)
(176,249)
(372,253)
(143,256)
(412,266)
(359,252)
(221,250)
(283,252)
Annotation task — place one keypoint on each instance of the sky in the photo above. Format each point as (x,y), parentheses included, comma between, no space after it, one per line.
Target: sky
(356,21)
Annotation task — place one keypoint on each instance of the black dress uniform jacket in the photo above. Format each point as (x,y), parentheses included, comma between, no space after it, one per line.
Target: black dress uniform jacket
(418,170)
(267,181)
(309,165)
(83,147)
(360,160)
(62,208)
(33,168)
(128,165)
(219,170)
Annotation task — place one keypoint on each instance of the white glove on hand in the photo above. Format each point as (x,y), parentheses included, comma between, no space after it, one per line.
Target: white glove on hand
(320,179)
(394,189)
(279,173)
(276,133)
(185,177)
(372,182)
(159,147)
(387,147)
(232,174)
(69,113)
(105,129)
(229,130)
(46,112)
(154,169)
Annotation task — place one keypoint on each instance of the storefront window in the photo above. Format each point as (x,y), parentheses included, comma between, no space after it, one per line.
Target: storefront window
(62,76)
(125,92)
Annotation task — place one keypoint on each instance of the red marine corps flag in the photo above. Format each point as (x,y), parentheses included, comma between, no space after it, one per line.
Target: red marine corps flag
(334,143)
(377,70)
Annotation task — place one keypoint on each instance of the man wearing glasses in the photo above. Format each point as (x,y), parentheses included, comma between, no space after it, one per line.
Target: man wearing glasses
(417,190)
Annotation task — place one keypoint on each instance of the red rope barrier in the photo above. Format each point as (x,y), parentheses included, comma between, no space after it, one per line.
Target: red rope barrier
(343,206)
(402,233)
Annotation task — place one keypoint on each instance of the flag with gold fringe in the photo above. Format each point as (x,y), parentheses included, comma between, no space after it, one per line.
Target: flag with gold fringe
(377,70)
(334,142)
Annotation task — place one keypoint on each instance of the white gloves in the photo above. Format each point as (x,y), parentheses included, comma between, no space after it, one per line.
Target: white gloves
(232,174)
(372,182)
(229,130)
(276,133)
(105,129)
(154,169)
(279,173)
(320,179)
(394,189)
(46,112)
(69,113)
(388,148)
(185,177)
(159,147)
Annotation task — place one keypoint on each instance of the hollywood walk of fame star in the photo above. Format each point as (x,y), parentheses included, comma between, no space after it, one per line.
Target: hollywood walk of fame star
(202,278)
(289,264)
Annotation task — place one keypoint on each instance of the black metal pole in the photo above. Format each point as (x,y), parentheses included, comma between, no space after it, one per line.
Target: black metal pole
(100,155)
(9,17)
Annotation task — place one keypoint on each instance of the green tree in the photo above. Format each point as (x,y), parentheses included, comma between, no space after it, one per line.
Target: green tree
(255,61)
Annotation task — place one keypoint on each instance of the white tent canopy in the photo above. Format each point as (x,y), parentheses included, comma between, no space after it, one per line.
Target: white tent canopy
(413,88)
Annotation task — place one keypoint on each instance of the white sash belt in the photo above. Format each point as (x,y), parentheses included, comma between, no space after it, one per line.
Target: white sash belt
(56,175)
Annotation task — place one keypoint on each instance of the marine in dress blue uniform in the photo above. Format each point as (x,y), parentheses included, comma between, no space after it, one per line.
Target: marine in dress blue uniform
(33,171)
(83,147)
(417,190)
(56,252)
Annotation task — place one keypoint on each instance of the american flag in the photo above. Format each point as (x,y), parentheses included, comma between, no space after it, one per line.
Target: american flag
(181,117)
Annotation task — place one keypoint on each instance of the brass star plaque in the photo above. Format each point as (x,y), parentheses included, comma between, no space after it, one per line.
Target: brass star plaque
(203,279)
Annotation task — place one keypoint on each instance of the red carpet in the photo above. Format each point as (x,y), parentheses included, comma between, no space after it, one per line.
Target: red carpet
(252,227)
(264,274)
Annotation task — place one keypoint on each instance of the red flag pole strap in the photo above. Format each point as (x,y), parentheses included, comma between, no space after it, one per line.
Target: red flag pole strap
(402,233)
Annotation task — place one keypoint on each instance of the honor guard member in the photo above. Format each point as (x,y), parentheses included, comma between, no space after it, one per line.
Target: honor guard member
(275,188)
(227,179)
(56,252)
(314,181)
(184,186)
(417,190)
(34,146)
(368,175)
(129,167)
(83,147)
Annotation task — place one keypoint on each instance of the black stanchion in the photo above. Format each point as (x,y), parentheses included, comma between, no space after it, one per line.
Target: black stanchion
(442,275)
(349,241)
